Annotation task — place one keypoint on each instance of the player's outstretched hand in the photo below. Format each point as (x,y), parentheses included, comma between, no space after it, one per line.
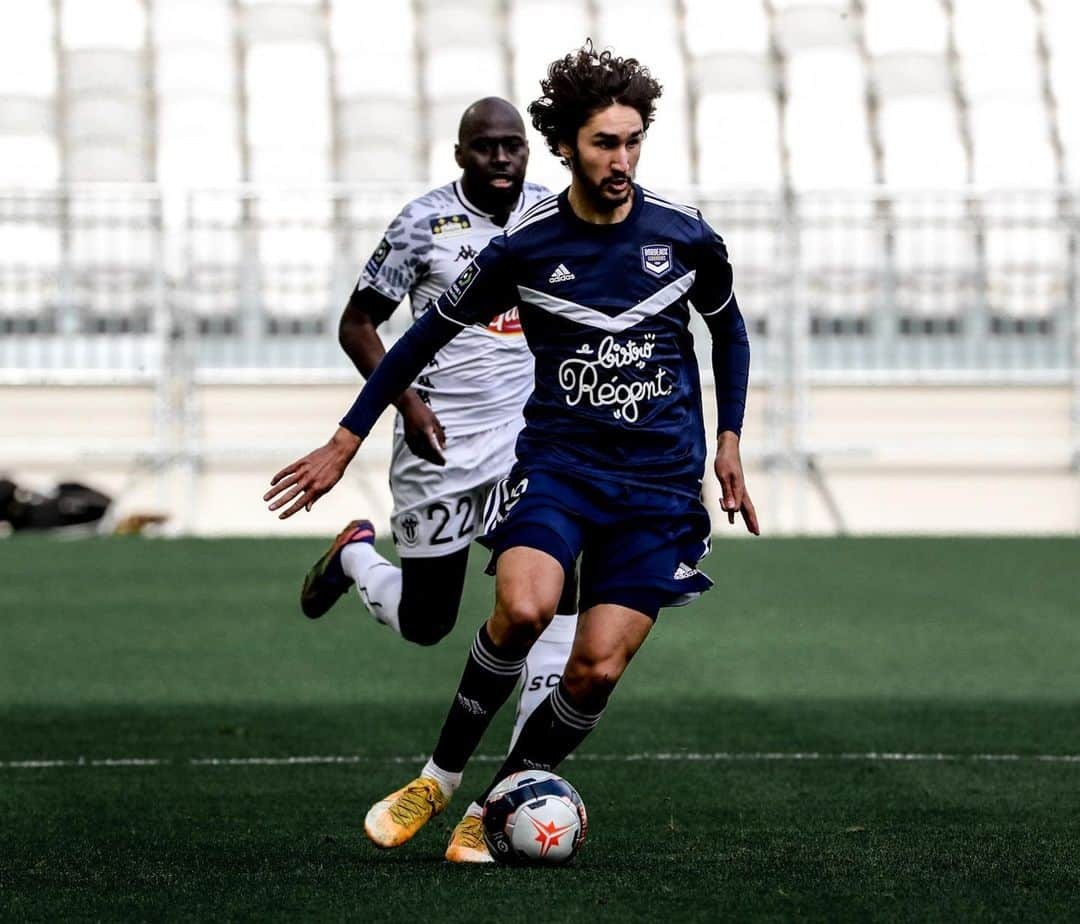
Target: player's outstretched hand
(424,434)
(301,484)
(729,472)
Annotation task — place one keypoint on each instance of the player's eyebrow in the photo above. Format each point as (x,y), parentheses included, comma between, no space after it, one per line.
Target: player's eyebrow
(610,136)
(493,139)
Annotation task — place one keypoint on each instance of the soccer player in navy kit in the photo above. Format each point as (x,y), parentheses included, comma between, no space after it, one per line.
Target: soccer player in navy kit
(611,459)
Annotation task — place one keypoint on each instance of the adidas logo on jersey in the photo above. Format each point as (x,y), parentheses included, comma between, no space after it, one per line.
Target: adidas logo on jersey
(684,571)
(561,274)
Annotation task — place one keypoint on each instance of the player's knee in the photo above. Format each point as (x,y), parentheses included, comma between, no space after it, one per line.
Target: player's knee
(589,680)
(426,633)
(426,625)
(520,618)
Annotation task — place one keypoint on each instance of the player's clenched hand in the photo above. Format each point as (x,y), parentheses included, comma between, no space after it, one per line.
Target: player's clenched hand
(424,434)
(728,467)
(301,484)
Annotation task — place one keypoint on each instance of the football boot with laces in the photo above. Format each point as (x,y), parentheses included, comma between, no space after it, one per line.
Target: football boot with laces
(325,583)
(394,820)
(467,844)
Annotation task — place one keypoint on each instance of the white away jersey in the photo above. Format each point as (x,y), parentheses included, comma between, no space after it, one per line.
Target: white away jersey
(482,378)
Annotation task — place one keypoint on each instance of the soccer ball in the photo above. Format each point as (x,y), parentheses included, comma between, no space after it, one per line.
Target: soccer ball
(534,817)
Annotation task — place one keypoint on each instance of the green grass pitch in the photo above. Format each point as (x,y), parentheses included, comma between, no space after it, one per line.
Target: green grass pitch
(182,651)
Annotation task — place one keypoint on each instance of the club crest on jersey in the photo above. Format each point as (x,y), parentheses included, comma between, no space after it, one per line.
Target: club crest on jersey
(446,225)
(461,285)
(656,258)
(378,258)
(410,529)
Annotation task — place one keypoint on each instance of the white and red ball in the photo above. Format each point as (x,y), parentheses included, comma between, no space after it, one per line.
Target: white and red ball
(534,817)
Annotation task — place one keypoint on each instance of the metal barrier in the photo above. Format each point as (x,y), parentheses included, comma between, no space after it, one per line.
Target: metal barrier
(102,282)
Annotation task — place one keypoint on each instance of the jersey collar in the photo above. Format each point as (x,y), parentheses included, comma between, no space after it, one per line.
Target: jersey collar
(459,191)
(622,226)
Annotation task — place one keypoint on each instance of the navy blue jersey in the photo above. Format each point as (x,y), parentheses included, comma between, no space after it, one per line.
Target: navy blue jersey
(605,310)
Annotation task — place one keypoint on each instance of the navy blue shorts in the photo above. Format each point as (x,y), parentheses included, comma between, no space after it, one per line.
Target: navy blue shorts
(638,548)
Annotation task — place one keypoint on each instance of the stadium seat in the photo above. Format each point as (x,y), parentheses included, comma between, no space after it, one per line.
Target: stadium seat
(113,260)
(378,97)
(738,137)
(826,124)
(918,120)
(911,26)
(288,116)
(292,21)
(32,160)
(112,265)
(111,24)
(935,270)
(1027,258)
(463,60)
(1010,125)
(1061,25)
(755,237)
(106,111)
(736,118)
(649,30)
(28,146)
(195,78)
(216,269)
(30,244)
(824,75)
(710,27)
(840,259)
(539,33)
(921,142)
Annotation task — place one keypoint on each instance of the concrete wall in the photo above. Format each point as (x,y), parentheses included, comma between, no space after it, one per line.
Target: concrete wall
(945,459)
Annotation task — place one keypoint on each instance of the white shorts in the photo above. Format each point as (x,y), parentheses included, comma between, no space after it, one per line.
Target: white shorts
(438,509)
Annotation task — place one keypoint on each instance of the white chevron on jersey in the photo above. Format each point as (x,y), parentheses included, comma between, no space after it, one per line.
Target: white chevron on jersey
(590,317)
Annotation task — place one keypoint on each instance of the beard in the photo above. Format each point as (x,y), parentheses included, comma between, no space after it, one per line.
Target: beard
(595,193)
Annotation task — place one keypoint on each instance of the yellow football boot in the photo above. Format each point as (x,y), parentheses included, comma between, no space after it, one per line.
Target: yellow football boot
(467,843)
(394,820)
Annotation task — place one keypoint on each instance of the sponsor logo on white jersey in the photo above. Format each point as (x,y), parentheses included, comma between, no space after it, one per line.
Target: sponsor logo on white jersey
(561,274)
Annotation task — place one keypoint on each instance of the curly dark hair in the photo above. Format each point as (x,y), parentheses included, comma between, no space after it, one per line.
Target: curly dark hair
(584,82)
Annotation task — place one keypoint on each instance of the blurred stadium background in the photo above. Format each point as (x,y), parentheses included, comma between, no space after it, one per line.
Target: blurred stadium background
(189,187)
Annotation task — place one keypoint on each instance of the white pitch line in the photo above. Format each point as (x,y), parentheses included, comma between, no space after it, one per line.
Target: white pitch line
(645,757)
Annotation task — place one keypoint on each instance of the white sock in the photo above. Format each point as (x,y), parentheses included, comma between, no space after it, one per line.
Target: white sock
(377,581)
(448,782)
(543,667)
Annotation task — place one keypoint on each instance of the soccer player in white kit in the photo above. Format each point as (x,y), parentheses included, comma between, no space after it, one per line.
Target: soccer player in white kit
(456,428)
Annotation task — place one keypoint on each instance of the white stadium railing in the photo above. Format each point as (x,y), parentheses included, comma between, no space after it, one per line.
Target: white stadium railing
(106,283)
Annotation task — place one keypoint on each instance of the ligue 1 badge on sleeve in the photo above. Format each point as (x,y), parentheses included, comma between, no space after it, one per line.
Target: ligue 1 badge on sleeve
(656,258)
(378,258)
(460,285)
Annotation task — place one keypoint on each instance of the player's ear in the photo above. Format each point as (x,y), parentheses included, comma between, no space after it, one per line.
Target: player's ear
(566,152)
(458,157)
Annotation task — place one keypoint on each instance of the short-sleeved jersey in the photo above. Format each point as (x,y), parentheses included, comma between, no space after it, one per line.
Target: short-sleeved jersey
(482,378)
(605,310)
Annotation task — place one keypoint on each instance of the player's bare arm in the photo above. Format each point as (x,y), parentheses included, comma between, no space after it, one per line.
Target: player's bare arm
(299,485)
(729,472)
(302,483)
(359,338)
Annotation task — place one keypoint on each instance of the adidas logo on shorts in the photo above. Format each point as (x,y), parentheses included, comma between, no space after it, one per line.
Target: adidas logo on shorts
(561,274)
(684,571)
